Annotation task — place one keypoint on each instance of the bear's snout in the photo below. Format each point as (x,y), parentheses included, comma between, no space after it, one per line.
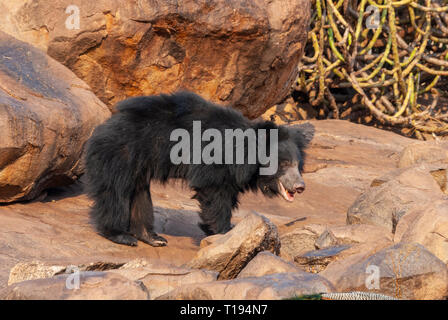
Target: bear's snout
(299,187)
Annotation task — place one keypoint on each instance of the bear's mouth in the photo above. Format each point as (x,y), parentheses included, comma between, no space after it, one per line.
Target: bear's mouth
(286,194)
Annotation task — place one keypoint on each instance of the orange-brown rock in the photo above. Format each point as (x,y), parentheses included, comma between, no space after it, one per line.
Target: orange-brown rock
(428,151)
(265,263)
(92,285)
(46,115)
(428,226)
(229,253)
(276,286)
(393,195)
(403,271)
(156,277)
(242,53)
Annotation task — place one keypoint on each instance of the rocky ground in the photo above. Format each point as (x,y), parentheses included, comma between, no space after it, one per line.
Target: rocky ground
(372,198)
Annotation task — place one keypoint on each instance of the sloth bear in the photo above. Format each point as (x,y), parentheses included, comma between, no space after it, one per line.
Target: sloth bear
(138,143)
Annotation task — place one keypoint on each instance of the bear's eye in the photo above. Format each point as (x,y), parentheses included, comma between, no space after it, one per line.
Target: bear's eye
(285,164)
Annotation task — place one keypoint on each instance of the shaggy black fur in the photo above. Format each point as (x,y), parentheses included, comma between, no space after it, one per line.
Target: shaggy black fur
(133,147)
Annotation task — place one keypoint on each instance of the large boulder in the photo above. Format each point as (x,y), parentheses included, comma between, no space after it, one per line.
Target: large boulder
(393,195)
(427,225)
(228,254)
(46,115)
(403,271)
(242,53)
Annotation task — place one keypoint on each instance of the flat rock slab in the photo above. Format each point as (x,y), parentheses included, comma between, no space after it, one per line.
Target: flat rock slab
(317,260)
(228,254)
(269,287)
(46,115)
(89,286)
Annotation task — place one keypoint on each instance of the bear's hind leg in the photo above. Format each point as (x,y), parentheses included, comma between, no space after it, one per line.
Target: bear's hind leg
(142,218)
(111,218)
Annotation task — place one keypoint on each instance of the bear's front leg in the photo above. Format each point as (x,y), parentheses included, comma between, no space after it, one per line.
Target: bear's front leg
(142,218)
(216,209)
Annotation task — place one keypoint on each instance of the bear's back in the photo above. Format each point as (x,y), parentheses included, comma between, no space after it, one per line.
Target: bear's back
(180,110)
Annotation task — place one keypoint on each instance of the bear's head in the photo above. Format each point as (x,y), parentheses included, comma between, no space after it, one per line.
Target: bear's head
(287,180)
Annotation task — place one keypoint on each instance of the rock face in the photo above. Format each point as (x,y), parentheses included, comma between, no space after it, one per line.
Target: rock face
(269,287)
(390,197)
(242,53)
(405,271)
(92,286)
(229,253)
(427,226)
(46,115)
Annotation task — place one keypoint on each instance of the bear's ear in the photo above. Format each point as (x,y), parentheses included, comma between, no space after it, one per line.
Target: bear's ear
(283,132)
(303,133)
